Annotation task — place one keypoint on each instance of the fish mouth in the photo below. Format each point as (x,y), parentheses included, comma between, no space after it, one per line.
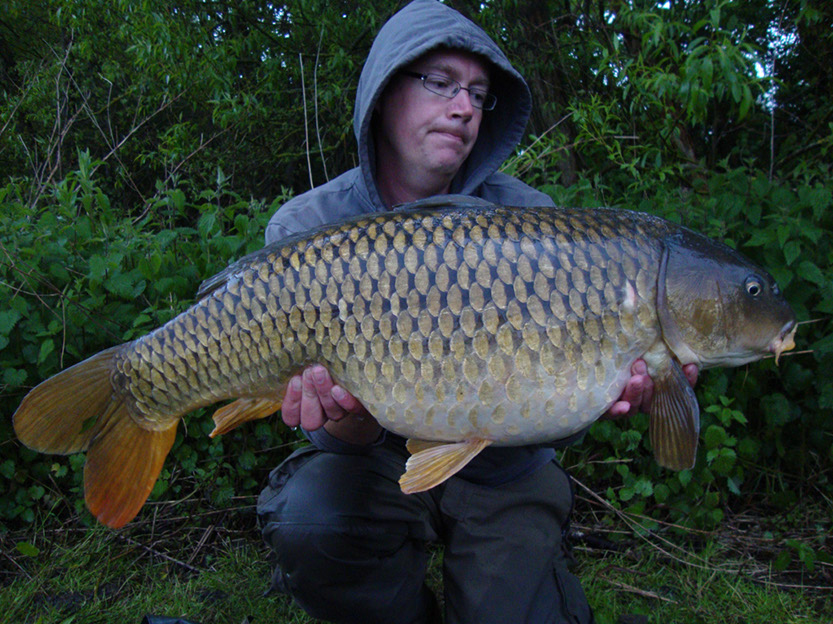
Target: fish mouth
(784,341)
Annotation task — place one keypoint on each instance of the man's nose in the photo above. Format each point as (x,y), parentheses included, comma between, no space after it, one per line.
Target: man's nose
(461,103)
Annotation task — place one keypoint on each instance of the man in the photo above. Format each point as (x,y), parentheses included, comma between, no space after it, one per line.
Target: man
(438,110)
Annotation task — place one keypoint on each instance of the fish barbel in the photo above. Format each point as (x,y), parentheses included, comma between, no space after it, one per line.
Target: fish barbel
(457,325)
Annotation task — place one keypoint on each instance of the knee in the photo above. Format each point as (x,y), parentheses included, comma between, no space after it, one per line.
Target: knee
(335,553)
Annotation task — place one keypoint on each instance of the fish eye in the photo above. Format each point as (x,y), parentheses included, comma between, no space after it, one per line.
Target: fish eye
(754,287)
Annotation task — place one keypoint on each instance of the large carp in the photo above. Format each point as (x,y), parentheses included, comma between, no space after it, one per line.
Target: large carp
(456,325)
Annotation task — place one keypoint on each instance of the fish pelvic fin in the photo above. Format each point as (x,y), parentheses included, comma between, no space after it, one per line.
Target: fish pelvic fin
(233,415)
(123,464)
(435,462)
(60,414)
(675,419)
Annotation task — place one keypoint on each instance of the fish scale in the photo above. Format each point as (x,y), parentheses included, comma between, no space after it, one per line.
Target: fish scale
(458,326)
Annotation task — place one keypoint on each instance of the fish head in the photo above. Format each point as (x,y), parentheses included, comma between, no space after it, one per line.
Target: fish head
(717,308)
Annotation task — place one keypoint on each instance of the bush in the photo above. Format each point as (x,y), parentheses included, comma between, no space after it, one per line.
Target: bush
(78,278)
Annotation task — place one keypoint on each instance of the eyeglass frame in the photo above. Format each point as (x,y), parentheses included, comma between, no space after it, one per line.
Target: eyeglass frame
(487,97)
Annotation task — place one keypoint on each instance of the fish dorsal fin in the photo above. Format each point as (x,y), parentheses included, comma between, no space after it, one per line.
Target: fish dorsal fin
(675,419)
(434,462)
(446,201)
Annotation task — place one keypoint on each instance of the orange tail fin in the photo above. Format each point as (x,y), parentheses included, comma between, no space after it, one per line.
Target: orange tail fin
(77,410)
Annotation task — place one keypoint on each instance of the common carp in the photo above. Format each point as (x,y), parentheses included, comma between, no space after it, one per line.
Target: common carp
(456,325)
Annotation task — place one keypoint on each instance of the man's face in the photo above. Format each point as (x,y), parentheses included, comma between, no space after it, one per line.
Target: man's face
(422,133)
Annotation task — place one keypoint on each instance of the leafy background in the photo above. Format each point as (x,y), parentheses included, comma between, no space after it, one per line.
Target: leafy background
(144,145)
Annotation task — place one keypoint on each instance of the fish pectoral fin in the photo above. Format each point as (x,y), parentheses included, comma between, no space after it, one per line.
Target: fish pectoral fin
(434,462)
(241,411)
(675,420)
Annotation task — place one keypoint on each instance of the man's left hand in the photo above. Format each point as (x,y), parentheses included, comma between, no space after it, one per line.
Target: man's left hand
(640,390)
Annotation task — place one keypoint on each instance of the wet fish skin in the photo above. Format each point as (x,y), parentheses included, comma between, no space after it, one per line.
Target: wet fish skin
(463,325)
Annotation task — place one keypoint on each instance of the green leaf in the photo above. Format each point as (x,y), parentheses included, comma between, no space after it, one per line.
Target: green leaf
(46,347)
(7,469)
(98,267)
(27,550)
(14,377)
(8,319)
(715,436)
(810,272)
(792,250)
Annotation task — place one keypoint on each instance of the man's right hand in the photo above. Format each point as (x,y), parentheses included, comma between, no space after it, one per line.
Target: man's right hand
(313,400)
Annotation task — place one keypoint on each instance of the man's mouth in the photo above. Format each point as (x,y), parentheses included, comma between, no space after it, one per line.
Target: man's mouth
(456,136)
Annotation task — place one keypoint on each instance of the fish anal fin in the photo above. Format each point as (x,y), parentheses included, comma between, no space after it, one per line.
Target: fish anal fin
(234,414)
(675,419)
(123,463)
(433,463)
(414,445)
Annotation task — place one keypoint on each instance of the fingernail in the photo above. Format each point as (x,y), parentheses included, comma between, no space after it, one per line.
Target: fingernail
(318,374)
(338,393)
(295,384)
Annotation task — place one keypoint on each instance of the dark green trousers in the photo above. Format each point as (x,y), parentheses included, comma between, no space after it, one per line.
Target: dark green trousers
(351,547)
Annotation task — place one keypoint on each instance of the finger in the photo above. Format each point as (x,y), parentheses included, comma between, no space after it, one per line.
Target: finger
(634,393)
(347,401)
(324,388)
(291,406)
(639,367)
(618,410)
(642,388)
(312,412)
(691,372)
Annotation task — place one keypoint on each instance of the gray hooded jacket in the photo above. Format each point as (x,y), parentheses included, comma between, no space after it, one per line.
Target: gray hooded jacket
(422,26)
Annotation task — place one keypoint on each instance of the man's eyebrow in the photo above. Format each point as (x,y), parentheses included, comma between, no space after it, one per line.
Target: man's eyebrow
(449,71)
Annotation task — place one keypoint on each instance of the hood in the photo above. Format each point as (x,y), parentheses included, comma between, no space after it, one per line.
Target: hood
(425,25)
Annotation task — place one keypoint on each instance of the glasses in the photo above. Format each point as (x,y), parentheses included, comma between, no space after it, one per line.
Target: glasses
(448,88)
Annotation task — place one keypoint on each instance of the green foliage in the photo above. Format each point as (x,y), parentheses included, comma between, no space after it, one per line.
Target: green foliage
(77,278)
(144,145)
(764,428)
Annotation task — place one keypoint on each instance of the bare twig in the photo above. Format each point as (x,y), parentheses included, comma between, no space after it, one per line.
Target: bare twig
(306,121)
(641,592)
(315,102)
(201,543)
(158,553)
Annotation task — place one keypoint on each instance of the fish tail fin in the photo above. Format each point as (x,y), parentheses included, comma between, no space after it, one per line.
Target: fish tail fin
(123,463)
(78,410)
(59,415)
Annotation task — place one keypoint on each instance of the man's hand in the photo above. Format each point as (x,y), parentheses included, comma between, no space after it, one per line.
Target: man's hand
(313,400)
(640,390)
